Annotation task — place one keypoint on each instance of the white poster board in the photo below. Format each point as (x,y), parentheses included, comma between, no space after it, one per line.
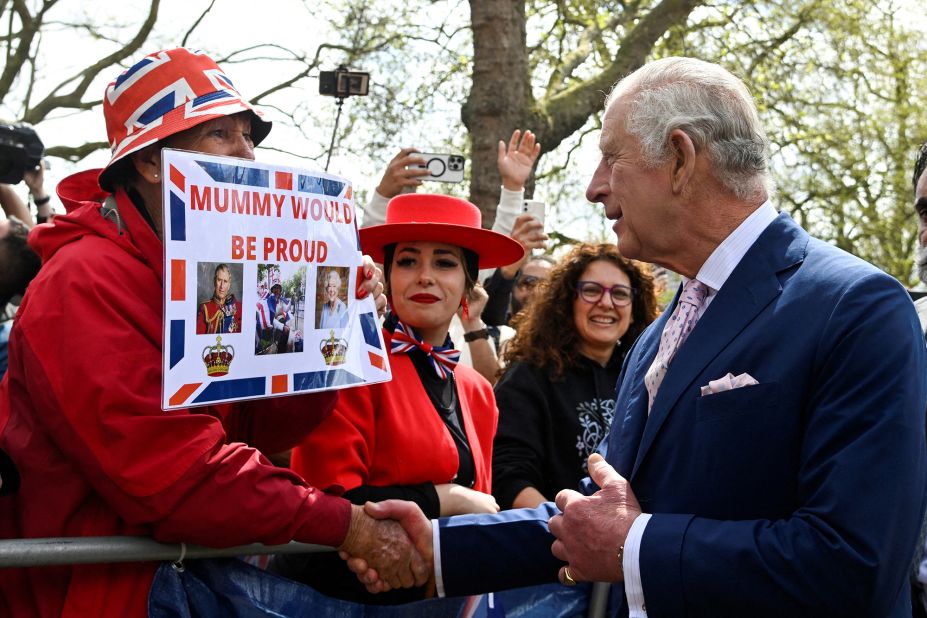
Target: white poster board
(261,266)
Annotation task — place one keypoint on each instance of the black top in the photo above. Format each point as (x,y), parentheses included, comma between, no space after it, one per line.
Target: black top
(499,289)
(547,429)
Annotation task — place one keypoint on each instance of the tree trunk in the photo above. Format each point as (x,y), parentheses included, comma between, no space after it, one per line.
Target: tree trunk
(501,100)
(499,96)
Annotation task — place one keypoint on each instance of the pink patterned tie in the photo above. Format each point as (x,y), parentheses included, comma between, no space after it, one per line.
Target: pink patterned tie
(677,329)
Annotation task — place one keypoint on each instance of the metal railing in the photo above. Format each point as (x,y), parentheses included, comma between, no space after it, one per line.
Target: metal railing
(99,549)
(105,549)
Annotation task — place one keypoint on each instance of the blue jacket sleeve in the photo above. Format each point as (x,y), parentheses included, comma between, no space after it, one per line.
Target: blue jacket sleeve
(511,549)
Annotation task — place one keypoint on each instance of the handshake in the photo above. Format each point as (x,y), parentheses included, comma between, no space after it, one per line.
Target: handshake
(389,545)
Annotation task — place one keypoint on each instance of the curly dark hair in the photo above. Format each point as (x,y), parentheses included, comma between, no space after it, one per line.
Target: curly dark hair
(545,334)
(920,164)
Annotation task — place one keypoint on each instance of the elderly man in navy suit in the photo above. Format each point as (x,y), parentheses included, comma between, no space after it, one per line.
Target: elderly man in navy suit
(769,427)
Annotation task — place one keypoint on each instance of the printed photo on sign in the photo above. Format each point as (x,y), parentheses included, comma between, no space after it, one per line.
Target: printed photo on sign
(331,297)
(281,309)
(260,276)
(218,288)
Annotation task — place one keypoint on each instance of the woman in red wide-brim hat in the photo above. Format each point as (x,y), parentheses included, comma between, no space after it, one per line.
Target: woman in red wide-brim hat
(426,436)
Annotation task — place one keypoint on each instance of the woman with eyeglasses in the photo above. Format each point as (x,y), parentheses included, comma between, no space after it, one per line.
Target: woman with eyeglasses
(557,396)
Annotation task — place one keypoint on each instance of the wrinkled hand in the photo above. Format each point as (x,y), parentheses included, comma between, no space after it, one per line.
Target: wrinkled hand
(517,159)
(415,524)
(370,281)
(530,233)
(592,528)
(386,549)
(476,299)
(399,175)
(459,500)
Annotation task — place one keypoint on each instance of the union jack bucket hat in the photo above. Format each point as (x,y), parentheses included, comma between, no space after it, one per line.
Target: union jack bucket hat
(165,93)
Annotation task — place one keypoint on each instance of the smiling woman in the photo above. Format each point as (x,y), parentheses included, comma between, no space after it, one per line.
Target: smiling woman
(426,436)
(556,398)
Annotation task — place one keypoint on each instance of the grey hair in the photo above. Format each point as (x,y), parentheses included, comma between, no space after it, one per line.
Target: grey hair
(329,276)
(712,106)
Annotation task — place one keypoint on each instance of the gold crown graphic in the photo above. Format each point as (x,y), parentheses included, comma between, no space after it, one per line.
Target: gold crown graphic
(217,358)
(333,350)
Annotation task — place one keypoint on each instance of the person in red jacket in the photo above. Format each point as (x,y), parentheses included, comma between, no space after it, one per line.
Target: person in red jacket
(80,411)
(425,436)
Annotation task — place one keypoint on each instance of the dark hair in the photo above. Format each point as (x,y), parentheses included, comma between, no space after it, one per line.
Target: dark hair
(545,335)
(920,164)
(20,263)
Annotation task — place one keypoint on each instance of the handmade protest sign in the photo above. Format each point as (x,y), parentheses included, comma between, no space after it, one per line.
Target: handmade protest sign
(261,264)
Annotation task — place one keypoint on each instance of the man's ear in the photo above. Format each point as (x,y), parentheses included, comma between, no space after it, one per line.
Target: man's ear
(683,155)
(147,162)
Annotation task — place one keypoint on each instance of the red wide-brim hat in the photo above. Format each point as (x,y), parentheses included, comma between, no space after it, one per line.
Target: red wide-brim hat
(424,217)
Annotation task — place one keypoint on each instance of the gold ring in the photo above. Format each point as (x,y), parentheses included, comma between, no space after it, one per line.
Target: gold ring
(568,577)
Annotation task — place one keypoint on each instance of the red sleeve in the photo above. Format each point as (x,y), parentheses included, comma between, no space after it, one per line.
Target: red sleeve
(339,452)
(93,360)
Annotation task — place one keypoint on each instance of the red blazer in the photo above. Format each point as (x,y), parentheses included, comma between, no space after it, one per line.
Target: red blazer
(391,434)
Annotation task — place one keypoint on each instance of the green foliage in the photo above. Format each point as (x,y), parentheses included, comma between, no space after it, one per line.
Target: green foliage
(837,87)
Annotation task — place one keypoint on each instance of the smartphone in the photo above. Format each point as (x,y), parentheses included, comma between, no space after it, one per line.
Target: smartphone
(535,208)
(443,167)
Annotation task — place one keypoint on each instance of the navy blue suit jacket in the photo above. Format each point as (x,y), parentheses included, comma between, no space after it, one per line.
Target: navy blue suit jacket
(802,495)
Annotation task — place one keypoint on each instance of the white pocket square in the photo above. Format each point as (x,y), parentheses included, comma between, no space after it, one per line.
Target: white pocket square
(728,382)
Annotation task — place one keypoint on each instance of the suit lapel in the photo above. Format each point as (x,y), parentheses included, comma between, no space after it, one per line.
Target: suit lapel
(626,441)
(750,288)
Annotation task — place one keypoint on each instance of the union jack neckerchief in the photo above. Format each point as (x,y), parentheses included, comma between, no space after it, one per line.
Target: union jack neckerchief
(443,358)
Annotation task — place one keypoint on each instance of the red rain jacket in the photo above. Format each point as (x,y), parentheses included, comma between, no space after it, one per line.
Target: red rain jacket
(80,415)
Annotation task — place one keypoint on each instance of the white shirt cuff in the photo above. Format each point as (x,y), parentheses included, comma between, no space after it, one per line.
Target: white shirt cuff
(375,213)
(510,206)
(436,543)
(633,588)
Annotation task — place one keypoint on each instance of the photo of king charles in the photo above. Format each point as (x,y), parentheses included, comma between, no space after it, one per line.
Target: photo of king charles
(222,312)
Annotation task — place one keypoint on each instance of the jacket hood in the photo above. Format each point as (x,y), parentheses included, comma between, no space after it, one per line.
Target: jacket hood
(82,198)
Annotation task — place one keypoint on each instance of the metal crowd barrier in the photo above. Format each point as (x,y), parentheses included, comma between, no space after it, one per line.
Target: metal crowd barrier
(105,549)
(99,549)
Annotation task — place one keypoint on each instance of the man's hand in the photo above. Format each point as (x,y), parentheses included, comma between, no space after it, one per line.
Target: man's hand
(530,233)
(399,175)
(415,524)
(386,549)
(592,528)
(516,161)
(370,281)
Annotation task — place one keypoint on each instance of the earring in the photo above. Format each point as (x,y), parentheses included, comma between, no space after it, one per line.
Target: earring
(465,305)
(156,175)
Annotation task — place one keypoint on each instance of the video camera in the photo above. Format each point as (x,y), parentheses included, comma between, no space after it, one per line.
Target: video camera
(20,150)
(343,83)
